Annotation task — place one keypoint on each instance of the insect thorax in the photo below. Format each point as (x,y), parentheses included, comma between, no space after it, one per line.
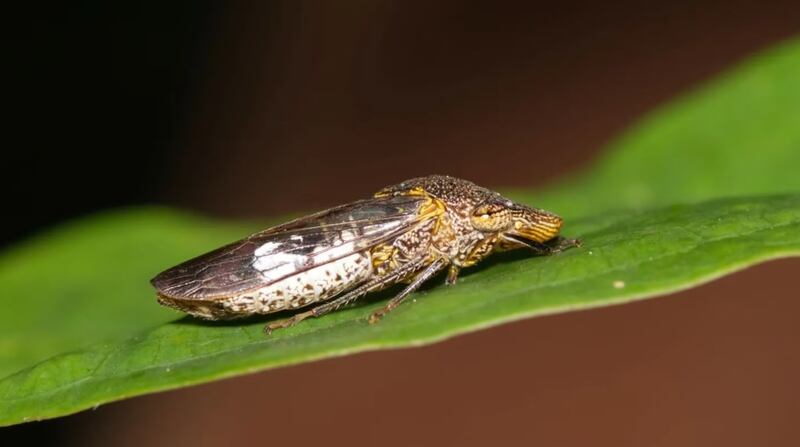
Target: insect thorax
(445,232)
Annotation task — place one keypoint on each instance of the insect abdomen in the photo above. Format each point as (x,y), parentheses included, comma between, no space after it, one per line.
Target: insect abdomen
(304,288)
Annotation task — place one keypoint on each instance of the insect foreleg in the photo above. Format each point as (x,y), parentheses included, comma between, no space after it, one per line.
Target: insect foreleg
(452,274)
(347,298)
(553,246)
(423,276)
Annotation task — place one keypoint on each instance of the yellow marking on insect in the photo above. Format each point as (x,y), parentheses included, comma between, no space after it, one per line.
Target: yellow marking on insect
(415,191)
(539,231)
(479,252)
(433,209)
(383,258)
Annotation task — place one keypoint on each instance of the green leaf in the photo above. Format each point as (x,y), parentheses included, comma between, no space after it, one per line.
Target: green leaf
(630,256)
(678,201)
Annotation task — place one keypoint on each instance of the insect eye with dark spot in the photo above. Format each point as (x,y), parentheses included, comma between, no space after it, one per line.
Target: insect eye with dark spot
(491,217)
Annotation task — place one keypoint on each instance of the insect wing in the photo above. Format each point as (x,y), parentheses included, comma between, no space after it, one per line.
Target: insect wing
(291,248)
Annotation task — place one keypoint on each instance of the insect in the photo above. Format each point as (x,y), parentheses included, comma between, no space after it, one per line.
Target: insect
(406,233)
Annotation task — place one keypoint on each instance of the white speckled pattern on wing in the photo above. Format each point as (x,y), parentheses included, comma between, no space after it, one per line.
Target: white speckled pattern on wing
(316,284)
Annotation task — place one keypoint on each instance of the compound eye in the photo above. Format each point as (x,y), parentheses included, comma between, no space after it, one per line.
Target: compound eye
(487,211)
(490,217)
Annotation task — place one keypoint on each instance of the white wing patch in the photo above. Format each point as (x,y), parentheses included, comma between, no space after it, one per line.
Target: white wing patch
(267,249)
(273,267)
(274,260)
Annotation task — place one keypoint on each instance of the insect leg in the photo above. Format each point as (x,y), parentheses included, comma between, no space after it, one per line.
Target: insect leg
(452,274)
(553,246)
(423,276)
(345,299)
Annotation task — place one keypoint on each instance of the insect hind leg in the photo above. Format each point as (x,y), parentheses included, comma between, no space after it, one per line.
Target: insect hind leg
(347,298)
(420,279)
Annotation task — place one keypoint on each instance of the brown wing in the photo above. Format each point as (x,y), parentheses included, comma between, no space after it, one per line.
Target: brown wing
(290,249)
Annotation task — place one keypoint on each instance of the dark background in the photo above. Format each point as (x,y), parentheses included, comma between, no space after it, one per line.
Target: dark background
(244,109)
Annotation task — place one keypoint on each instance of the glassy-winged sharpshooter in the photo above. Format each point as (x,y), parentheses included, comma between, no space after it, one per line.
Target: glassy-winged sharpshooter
(405,233)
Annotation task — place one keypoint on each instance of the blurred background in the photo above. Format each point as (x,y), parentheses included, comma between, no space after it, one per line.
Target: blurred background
(251,109)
